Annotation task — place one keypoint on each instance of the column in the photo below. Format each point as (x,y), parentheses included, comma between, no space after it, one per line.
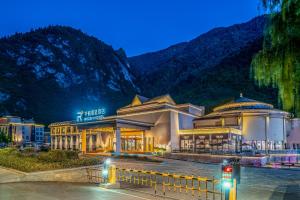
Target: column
(174,130)
(117,133)
(66,142)
(91,142)
(60,143)
(77,142)
(83,141)
(267,119)
(71,142)
(194,143)
(144,147)
(98,140)
(55,142)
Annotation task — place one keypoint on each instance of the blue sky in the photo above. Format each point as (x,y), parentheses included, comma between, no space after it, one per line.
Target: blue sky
(138,26)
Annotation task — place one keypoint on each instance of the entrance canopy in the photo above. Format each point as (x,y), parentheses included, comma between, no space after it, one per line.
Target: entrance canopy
(114,123)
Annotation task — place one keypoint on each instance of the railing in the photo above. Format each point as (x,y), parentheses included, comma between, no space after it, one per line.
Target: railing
(164,184)
(242,152)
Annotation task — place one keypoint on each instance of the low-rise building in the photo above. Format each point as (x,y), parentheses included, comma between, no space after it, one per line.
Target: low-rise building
(22,131)
(142,126)
(147,125)
(241,124)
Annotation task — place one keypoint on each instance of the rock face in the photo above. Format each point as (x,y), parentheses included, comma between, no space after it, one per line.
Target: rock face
(51,73)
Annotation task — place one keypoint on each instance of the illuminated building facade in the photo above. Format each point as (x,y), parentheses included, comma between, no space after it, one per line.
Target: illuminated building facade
(242,124)
(22,131)
(145,125)
(148,125)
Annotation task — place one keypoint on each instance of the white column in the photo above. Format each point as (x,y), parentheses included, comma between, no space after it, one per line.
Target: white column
(60,143)
(55,142)
(98,140)
(71,142)
(267,122)
(174,130)
(77,141)
(66,142)
(91,142)
(143,141)
(117,133)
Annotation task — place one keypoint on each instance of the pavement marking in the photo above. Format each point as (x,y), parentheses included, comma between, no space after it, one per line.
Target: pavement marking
(131,195)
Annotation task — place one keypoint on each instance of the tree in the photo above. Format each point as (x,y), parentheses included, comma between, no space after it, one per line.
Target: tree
(278,63)
(4,138)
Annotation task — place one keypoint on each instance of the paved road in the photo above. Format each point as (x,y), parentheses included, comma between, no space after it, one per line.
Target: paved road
(256,183)
(65,191)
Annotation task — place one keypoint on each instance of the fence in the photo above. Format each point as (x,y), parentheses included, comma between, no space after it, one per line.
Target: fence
(164,184)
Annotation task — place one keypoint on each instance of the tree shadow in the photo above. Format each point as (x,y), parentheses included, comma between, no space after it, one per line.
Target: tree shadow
(292,192)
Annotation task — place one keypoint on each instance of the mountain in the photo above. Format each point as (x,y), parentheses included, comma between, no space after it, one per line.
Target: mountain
(206,50)
(208,70)
(51,73)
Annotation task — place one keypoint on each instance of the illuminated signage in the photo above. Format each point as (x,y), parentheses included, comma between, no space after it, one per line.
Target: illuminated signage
(90,115)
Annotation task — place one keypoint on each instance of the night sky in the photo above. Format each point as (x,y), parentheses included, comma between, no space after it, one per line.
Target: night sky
(138,26)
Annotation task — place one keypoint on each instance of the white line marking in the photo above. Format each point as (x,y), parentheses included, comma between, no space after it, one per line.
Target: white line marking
(124,194)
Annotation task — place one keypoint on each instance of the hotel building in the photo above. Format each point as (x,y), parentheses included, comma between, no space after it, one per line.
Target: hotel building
(22,131)
(149,125)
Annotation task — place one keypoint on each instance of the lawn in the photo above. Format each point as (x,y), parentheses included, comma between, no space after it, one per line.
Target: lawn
(29,160)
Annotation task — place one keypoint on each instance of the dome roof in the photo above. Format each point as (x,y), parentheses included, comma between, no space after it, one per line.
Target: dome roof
(243,103)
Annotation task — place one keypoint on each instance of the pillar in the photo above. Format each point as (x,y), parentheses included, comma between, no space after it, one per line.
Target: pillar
(60,143)
(91,142)
(55,142)
(98,140)
(174,130)
(77,142)
(117,133)
(267,121)
(83,141)
(66,142)
(144,142)
(71,142)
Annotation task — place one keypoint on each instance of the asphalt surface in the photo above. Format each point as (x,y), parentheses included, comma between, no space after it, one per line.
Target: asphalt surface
(63,191)
(256,184)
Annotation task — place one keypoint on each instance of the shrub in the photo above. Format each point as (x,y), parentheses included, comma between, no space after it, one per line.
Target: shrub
(28,151)
(55,159)
(53,156)
(58,156)
(72,154)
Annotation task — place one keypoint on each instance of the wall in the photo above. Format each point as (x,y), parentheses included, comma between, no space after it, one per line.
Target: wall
(61,175)
(161,129)
(276,129)
(253,127)
(208,122)
(294,133)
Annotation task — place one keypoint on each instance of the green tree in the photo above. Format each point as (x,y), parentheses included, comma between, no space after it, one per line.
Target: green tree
(278,63)
(4,138)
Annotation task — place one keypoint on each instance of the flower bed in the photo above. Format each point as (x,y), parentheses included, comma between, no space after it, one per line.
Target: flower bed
(30,161)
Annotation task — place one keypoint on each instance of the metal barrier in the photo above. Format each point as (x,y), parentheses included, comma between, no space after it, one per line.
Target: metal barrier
(94,175)
(165,183)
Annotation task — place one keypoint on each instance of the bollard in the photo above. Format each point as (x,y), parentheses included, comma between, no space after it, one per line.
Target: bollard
(109,175)
(112,174)
(232,192)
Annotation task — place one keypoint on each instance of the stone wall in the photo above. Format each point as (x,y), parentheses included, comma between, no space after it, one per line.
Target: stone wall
(61,175)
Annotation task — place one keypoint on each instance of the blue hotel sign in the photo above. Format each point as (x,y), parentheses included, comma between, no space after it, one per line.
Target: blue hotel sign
(90,115)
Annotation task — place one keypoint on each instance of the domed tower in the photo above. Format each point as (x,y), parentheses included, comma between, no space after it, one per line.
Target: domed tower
(262,126)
